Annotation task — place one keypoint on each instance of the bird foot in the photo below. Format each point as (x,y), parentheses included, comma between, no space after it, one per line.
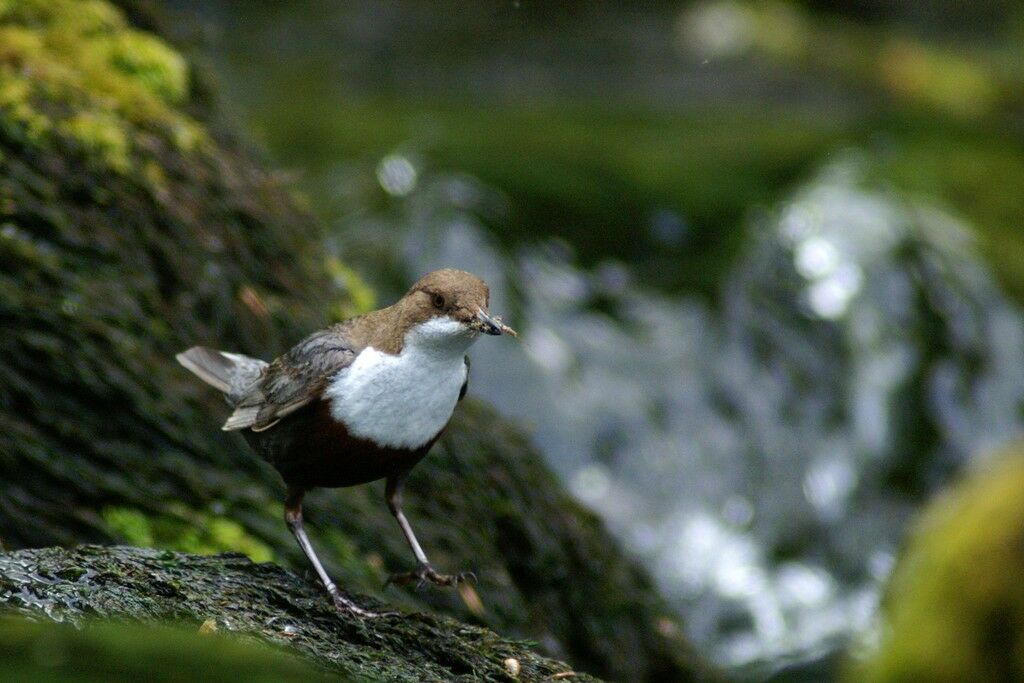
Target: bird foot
(425,574)
(343,604)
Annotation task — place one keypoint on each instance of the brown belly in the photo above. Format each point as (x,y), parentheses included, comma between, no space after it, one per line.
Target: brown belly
(310,448)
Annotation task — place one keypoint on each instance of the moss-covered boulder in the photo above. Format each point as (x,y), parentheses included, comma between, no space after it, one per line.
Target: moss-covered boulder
(954,610)
(132,226)
(230,594)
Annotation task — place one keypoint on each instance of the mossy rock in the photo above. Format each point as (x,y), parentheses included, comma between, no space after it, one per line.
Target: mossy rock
(132,226)
(954,609)
(229,594)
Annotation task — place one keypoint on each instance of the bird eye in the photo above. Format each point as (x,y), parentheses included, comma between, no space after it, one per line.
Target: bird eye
(437,300)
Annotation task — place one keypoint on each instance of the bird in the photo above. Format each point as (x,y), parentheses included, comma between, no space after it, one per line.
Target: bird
(359,401)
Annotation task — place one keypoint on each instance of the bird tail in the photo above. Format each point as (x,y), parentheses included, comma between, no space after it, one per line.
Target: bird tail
(228,372)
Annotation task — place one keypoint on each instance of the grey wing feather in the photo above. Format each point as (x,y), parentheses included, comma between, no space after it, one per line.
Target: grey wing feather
(232,373)
(292,381)
(247,372)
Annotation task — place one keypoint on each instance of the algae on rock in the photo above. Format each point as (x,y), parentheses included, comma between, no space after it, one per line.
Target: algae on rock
(132,227)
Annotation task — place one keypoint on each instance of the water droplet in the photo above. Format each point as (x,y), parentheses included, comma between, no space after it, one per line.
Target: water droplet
(816,258)
(591,483)
(397,175)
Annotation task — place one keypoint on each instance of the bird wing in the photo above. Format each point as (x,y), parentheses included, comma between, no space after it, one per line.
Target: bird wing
(465,382)
(294,380)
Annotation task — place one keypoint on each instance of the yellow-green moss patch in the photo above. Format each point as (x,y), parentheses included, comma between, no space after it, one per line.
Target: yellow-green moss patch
(101,136)
(185,530)
(74,70)
(955,606)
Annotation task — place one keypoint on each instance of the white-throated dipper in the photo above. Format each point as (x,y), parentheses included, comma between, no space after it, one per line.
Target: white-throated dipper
(362,400)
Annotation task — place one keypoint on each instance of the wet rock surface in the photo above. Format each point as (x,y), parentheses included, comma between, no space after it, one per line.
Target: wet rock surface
(228,593)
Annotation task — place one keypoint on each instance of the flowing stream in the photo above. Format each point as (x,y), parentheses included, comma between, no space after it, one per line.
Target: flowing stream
(762,454)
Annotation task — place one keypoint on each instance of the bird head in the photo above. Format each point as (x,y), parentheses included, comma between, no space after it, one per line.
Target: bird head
(450,304)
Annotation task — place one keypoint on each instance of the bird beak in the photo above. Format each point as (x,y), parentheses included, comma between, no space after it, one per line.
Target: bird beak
(491,325)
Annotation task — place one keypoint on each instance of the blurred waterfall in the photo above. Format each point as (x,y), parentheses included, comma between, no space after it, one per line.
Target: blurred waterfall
(763,454)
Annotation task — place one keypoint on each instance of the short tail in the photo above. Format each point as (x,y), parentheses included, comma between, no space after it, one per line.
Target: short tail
(228,372)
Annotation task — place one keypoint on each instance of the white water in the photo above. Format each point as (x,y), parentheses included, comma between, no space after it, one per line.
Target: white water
(745,452)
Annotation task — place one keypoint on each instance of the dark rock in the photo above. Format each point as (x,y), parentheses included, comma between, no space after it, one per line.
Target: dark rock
(259,600)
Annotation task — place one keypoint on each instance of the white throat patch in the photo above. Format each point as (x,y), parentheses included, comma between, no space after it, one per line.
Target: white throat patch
(403,401)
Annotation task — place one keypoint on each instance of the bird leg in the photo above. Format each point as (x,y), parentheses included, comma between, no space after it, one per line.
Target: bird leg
(293,518)
(424,572)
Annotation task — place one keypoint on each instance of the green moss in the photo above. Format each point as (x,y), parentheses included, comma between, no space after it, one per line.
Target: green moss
(73,573)
(154,177)
(101,136)
(223,534)
(18,118)
(151,63)
(75,71)
(955,606)
(185,530)
(131,525)
(44,652)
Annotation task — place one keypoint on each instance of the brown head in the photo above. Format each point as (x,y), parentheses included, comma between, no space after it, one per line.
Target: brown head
(457,294)
(453,301)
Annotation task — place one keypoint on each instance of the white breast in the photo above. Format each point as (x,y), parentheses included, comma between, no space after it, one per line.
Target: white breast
(404,400)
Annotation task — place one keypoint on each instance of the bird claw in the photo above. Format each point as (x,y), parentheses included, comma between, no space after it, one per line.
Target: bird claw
(343,604)
(426,574)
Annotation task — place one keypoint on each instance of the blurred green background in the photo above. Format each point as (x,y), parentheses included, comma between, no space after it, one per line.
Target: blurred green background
(767,257)
(591,117)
